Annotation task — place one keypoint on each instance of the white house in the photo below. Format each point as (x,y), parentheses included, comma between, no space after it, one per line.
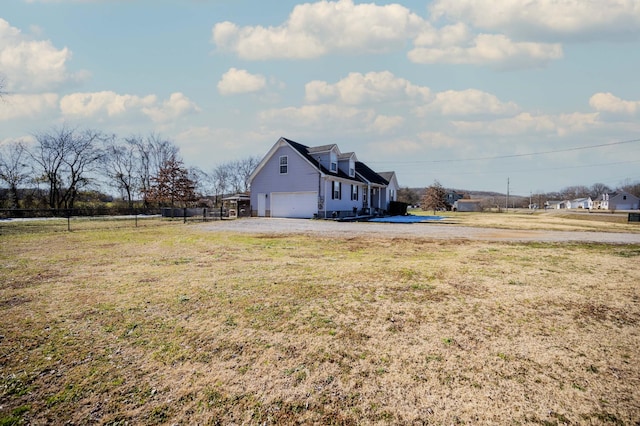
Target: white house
(580,203)
(619,200)
(294,180)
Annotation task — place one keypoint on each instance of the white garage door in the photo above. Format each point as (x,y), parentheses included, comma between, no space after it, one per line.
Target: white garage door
(294,204)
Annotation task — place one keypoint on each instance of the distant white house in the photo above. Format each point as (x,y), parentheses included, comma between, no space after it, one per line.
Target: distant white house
(553,204)
(580,203)
(619,200)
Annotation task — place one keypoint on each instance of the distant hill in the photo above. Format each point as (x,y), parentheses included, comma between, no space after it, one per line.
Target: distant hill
(473,194)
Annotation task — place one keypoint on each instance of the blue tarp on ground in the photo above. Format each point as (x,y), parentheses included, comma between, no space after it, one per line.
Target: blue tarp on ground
(407,219)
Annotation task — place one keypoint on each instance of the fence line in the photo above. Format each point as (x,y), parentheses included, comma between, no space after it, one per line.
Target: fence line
(39,220)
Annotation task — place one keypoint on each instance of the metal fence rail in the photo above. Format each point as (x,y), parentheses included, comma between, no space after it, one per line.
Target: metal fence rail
(43,220)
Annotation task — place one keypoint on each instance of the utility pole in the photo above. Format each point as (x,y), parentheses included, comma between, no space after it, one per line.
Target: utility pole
(507,206)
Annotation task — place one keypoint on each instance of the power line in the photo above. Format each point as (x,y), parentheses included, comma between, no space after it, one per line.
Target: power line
(543,169)
(513,155)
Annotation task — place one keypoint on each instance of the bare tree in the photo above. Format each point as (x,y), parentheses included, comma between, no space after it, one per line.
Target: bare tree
(632,187)
(220,178)
(233,176)
(199,179)
(153,152)
(434,198)
(573,192)
(408,195)
(67,158)
(14,169)
(244,168)
(121,164)
(597,189)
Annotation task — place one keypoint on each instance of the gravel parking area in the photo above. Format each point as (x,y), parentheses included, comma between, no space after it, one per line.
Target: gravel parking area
(436,230)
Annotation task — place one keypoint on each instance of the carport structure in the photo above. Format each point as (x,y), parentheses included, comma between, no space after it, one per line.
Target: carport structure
(237,205)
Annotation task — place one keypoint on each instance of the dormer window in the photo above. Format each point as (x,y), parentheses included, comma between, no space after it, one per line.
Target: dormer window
(333,160)
(334,167)
(284,165)
(352,172)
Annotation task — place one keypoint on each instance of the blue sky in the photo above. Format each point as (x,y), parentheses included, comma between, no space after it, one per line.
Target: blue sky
(467,92)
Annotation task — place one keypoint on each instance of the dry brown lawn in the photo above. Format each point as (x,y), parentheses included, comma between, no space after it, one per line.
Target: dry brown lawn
(551,220)
(179,325)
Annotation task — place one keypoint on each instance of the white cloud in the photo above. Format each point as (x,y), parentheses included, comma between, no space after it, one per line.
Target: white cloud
(332,120)
(316,29)
(528,124)
(237,81)
(102,103)
(69,1)
(396,147)
(202,145)
(488,49)
(437,140)
(176,106)
(325,116)
(385,123)
(576,122)
(449,35)
(320,91)
(607,102)
(373,87)
(27,106)
(32,65)
(110,104)
(325,27)
(546,19)
(329,27)
(468,102)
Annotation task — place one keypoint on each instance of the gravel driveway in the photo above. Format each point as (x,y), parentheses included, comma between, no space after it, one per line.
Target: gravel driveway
(412,230)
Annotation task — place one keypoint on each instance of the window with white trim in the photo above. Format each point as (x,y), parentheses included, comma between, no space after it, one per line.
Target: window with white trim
(336,194)
(354,192)
(284,165)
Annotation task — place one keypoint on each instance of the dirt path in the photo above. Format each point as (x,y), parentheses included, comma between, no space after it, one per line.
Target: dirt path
(414,230)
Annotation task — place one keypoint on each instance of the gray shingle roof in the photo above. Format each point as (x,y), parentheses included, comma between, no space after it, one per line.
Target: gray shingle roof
(362,169)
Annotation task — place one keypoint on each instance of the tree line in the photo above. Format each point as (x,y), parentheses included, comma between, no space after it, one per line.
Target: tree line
(434,196)
(69,165)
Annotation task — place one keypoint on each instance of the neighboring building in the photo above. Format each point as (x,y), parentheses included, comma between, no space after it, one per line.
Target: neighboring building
(619,200)
(580,203)
(467,205)
(294,180)
(451,197)
(552,204)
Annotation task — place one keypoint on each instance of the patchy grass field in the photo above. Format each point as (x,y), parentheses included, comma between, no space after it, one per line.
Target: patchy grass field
(551,220)
(174,324)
